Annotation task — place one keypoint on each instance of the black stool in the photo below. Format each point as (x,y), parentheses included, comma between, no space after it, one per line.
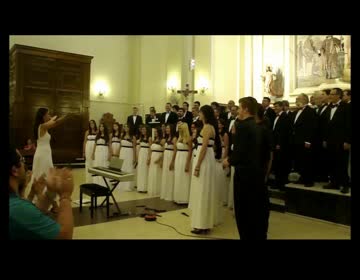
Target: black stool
(95,191)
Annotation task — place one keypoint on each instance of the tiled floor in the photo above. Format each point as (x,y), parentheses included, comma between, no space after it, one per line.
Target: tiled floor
(282,225)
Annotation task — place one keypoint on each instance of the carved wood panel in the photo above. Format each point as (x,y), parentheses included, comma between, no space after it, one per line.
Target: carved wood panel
(55,80)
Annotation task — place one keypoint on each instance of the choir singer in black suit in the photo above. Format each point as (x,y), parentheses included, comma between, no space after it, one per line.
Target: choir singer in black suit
(281,137)
(337,140)
(251,201)
(304,124)
(269,112)
(168,117)
(134,121)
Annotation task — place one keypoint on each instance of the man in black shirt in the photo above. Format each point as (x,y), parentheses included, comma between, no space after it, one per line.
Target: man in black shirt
(251,200)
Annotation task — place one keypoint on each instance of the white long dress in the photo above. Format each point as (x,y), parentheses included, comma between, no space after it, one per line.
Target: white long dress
(230,203)
(127,154)
(222,186)
(142,167)
(89,148)
(101,159)
(115,145)
(202,189)
(137,156)
(42,161)
(154,177)
(182,179)
(167,179)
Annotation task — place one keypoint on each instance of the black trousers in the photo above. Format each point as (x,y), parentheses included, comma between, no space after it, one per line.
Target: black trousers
(321,163)
(303,162)
(338,164)
(251,204)
(281,166)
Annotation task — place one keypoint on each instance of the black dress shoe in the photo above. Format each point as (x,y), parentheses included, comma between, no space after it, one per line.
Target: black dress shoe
(200,231)
(344,190)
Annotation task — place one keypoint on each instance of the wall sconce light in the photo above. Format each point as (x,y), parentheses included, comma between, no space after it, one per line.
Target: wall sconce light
(101,94)
(172,89)
(203,90)
(203,85)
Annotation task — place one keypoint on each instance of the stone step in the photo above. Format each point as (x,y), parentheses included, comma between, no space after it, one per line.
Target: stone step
(277,204)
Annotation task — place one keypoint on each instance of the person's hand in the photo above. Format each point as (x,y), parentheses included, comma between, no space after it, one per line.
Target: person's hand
(347,146)
(277,147)
(226,163)
(324,144)
(28,177)
(171,167)
(93,156)
(60,181)
(187,167)
(307,145)
(197,172)
(39,185)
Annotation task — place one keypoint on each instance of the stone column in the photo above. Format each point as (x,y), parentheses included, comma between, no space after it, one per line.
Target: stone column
(187,75)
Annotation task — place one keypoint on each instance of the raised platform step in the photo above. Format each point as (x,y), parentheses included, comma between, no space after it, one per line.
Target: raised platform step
(277,204)
(316,202)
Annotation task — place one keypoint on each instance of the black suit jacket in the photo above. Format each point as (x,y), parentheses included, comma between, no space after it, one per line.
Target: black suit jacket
(271,115)
(338,129)
(134,128)
(281,131)
(231,136)
(323,118)
(305,127)
(246,153)
(148,120)
(172,119)
(189,117)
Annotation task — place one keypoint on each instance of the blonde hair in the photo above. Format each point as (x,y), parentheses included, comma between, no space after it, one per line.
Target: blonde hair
(184,135)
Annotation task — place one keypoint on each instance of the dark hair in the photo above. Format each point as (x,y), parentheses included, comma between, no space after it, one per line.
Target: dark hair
(152,107)
(168,103)
(215,103)
(197,102)
(286,103)
(119,130)
(267,98)
(39,119)
(280,103)
(187,104)
(327,91)
(152,110)
(260,112)
(90,131)
(159,135)
(131,132)
(209,116)
(13,159)
(339,92)
(223,130)
(172,131)
(176,107)
(106,133)
(348,91)
(135,107)
(250,104)
(148,133)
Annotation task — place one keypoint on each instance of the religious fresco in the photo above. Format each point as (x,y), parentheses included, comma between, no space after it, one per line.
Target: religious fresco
(321,59)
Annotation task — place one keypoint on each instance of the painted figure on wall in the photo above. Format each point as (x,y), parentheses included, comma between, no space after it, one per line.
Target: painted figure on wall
(332,47)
